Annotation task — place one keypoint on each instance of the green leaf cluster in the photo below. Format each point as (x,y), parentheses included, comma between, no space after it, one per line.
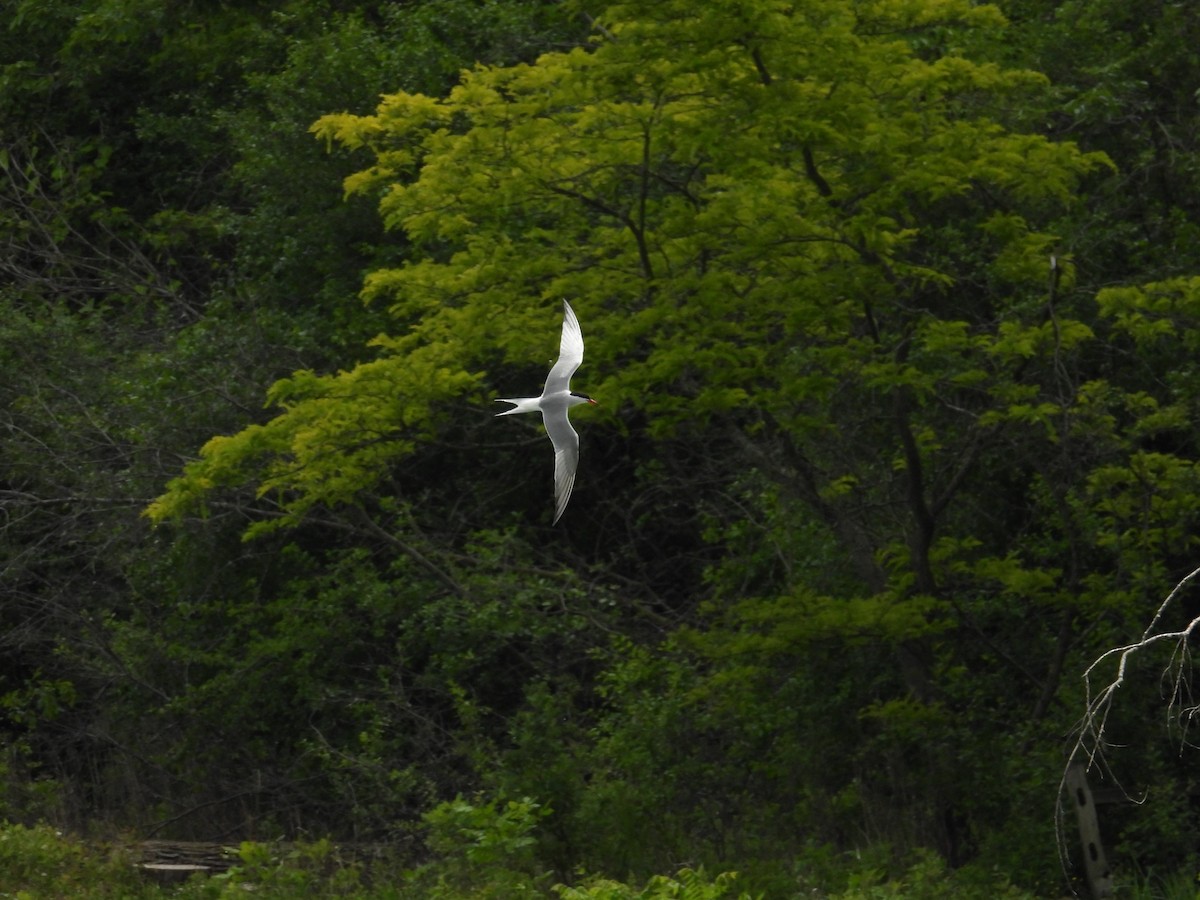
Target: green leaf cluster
(721,269)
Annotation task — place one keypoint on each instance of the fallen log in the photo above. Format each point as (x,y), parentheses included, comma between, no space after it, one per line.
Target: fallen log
(173,862)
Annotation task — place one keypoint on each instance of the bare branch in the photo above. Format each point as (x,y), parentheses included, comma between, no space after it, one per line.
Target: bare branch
(1091,740)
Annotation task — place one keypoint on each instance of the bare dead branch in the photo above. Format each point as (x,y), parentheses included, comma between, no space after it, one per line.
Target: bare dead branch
(1091,740)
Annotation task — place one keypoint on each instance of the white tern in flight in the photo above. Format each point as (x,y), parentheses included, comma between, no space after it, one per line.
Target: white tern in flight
(556,399)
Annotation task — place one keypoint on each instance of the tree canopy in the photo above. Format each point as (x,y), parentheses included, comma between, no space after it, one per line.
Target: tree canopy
(741,224)
(890,318)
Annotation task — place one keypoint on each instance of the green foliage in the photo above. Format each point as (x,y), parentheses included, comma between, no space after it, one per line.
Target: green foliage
(163,208)
(832,267)
(311,869)
(647,196)
(483,849)
(927,879)
(688,884)
(870,482)
(40,862)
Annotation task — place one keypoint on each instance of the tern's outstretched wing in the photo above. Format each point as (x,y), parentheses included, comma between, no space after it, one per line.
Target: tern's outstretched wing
(570,353)
(566,457)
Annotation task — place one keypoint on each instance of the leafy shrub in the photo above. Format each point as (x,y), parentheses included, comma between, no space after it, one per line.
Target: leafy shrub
(927,878)
(688,884)
(482,850)
(42,862)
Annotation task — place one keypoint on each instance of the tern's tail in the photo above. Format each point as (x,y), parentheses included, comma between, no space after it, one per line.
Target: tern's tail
(520,405)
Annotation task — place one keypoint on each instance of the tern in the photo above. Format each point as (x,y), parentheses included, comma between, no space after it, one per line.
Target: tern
(556,399)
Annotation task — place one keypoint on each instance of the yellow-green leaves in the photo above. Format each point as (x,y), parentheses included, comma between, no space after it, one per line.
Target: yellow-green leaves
(332,439)
(753,206)
(1165,309)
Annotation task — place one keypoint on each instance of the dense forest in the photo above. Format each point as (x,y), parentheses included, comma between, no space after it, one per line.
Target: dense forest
(892,313)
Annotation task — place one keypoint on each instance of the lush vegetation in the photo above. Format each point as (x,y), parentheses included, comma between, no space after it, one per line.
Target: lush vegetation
(892,309)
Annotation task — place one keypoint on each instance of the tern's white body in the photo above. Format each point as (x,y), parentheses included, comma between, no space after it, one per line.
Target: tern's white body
(553,404)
